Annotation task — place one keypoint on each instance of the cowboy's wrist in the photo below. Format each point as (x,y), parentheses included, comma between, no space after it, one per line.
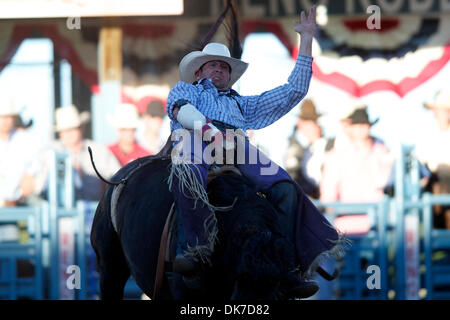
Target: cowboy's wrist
(177,105)
(175,112)
(306,36)
(306,41)
(305,47)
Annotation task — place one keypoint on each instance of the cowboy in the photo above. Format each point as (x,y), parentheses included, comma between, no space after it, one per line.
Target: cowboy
(306,150)
(17,152)
(69,126)
(17,169)
(154,129)
(204,96)
(357,171)
(434,152)
(126,121)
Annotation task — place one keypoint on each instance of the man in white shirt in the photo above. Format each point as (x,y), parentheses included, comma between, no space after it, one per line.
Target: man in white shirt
(17,151)
(87,186)
(433,150)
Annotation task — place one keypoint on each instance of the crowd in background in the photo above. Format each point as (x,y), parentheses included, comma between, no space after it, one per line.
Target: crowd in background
(25,168)
(353,166)
(357,167)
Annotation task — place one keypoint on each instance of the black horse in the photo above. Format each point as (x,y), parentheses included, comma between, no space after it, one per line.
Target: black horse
(250,256)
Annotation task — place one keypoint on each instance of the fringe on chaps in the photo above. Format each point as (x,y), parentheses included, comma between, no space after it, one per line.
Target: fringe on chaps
(194,189)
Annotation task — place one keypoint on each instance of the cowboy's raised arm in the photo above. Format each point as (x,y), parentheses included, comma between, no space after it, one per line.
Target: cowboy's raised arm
(266,108)
(306,29)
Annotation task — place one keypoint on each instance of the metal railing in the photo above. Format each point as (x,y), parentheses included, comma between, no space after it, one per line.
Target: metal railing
(390,228)
(14,255)
(352,280)
(435,239)
(385,232)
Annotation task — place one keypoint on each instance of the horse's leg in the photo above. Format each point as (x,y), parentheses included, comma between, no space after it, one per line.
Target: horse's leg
(112,266)
(114,274)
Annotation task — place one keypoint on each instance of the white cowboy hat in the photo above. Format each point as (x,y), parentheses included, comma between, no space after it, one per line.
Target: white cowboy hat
(441,101)
(7,109)
(68,118)
(126,116)
(212,51)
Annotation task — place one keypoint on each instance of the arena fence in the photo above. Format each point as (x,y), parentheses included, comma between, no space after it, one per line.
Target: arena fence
(45,252)
(412,257)
(369,248)
(389,261)
(21,269)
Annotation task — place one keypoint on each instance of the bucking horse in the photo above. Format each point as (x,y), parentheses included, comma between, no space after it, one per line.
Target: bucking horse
(134,233)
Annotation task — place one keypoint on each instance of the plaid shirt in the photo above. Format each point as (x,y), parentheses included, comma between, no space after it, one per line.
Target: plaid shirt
(245,112)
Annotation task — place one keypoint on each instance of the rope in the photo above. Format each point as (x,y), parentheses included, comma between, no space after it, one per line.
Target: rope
(214,28)
(189,182)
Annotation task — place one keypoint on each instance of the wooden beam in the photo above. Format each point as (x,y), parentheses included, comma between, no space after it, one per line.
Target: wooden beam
(110,51)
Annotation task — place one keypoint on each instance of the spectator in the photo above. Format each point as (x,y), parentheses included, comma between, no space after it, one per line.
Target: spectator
(87,185)
(356,171)
(17,151)
(342,138)
(126,120)
(19,124)
(153,118)
(306,151)
(434,152)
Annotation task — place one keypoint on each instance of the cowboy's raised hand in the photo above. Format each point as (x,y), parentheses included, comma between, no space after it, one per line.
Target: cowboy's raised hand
(307,26)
